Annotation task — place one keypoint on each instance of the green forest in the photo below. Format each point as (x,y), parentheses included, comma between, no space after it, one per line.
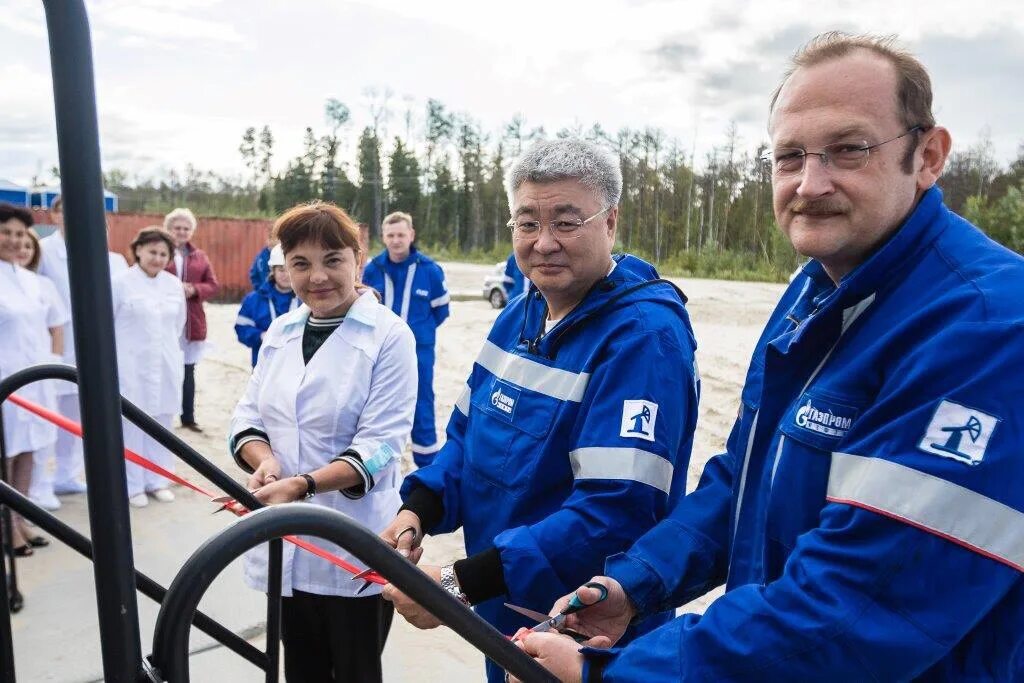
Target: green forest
(706,217)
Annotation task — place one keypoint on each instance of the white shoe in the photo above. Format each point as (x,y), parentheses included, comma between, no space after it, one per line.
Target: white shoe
(163,495)
(139,500)
(69,488)
(47,502)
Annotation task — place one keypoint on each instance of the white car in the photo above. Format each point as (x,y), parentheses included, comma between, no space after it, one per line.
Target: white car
(494,286)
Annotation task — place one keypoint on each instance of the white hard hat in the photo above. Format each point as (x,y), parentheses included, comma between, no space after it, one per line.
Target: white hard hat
(276,256)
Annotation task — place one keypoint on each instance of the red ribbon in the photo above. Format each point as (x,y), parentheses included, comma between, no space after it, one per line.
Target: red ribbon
(76,429)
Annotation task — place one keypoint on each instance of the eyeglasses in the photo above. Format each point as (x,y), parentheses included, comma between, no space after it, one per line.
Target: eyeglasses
(561,228)
(840,156)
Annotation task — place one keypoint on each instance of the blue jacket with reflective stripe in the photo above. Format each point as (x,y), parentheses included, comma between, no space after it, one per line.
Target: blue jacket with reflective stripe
(416,292)
(565,447)
(258,310)
(868,515)
(515,282)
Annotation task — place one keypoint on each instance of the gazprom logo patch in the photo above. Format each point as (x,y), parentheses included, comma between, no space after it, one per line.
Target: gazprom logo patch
(504,398)
(828,419)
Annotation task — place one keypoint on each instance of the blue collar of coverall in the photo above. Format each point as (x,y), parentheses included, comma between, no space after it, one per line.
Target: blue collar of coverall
(385,261)
(629,271)
(887,266)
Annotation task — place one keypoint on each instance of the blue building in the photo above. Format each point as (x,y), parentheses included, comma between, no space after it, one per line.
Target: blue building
(42,197)
(12,193)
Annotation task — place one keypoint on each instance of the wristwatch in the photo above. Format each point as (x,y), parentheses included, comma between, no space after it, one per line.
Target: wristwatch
(310,485)
(450,583)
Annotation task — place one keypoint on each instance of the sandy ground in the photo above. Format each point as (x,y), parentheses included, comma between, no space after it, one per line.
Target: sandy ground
(56,634)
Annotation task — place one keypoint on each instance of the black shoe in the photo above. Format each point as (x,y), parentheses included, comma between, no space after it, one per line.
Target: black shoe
(38,542)
(15,601)
(23,551)
(193,426)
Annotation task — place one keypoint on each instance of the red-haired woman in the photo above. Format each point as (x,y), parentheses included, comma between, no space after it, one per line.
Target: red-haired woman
(324,418)
(149,312)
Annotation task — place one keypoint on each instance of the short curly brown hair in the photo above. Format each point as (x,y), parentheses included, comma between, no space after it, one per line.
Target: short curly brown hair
(320,222)
(153,233)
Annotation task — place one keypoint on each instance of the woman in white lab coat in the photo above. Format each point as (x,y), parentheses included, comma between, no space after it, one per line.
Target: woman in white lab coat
(324,418)
(41,489)
(26,315)
(149,312)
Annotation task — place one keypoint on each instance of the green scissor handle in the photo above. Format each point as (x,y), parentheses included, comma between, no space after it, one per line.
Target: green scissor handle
(575,604)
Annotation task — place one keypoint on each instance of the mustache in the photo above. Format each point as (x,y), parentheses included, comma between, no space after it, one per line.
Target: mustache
(817,207)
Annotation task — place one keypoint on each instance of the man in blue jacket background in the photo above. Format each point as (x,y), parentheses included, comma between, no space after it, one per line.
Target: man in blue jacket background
(573,433)
(867,518)
(413,286)
(515,283)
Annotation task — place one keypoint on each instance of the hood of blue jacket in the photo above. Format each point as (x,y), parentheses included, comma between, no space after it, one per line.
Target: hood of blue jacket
(633,280)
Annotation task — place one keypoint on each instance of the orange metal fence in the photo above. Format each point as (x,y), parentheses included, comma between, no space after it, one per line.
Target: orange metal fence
(231,244)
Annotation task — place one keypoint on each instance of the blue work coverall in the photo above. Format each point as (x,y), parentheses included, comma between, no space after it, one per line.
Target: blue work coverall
(565,447)
(515,282)
(415,289)
(259,271)
(258,310)
(867,518)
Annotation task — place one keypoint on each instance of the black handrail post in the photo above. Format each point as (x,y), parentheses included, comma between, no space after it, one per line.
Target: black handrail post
(74,96)
(7,672)
(276,550)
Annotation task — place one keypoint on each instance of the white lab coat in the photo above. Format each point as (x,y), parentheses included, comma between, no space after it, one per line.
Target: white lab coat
(148,312)
(27,311)
(357,392)
(53,264)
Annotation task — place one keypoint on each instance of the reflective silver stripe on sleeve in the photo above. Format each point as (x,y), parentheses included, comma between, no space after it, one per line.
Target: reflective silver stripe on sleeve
(931,504)
(561,384)
(622,463)
(245,320)
(743,472)
(462,402)
(441,300)
(407,292)
(425,450)
(389,292)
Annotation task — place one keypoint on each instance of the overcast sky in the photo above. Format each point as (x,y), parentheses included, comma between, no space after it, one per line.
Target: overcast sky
(179,80)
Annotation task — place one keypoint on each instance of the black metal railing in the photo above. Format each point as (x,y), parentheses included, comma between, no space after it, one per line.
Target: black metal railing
(267,660)
(170,638)
(179,602)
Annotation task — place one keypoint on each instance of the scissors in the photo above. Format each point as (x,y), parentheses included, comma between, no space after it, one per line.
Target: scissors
(230,504)
(557,622)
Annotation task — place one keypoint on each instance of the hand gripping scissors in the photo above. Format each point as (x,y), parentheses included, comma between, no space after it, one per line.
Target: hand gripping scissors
(557,622)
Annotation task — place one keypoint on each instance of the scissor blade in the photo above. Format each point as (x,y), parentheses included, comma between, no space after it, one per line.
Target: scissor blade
(536,616)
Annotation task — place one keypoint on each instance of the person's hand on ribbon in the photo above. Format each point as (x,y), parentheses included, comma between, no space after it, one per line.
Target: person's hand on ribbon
(267,472)
(556,652)
(287,490)
(410,609)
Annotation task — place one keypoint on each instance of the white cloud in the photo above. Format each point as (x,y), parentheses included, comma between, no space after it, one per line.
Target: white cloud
(178,81)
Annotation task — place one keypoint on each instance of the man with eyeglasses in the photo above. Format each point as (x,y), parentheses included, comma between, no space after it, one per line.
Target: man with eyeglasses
(573,433)
(867,517)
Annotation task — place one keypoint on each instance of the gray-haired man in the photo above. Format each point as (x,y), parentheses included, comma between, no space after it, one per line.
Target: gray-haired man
(573,433)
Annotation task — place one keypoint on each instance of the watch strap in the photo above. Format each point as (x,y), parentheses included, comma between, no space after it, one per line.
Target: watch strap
(450,583)
(310,485)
